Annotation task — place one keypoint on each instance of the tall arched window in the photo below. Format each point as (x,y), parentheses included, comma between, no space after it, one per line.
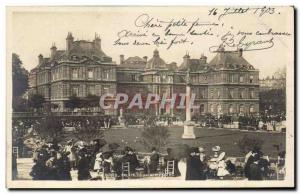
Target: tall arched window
(202,108)
(230,109)
(251,108)
(211,108)
(219,108)
(241,109)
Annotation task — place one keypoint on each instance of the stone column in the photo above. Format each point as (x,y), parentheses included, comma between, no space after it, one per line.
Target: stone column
(188,124)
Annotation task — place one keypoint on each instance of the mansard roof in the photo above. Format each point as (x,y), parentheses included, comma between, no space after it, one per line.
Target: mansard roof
(134,63)
(85,48)
(230,60)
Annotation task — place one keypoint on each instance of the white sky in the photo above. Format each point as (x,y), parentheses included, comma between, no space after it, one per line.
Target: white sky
(34,30)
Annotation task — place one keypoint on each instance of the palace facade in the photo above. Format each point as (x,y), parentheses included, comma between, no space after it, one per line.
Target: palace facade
(227,84)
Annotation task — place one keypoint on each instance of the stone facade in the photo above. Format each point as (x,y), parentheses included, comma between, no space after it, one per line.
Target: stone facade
(227,84)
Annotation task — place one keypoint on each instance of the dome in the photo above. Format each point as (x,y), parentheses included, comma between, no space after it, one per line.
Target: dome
(156,62)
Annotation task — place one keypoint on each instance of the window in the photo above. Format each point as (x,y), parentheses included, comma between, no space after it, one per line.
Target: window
(241,110)
(251,109)
(212,94)
(105,90)
(90,74)
(219,108)
(202,108)
(241,79)
(251,79)
(252,93)
(218,93)
(241,93)
(211,108)
(201,93)
(106,74)
(75,73)
(231,78)
(133,77)
(75,90)
(230,93)
(91,90)
(230,109)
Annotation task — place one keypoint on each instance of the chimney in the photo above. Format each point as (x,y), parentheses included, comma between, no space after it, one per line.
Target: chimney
(121,59)
(145,59)
(240,52)
(53,50)
(40,59)
(203,59)
(97,41)
(186,58)
(69,41)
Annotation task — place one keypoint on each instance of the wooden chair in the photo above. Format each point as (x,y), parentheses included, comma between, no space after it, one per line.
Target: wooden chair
(125,170)
(170,169)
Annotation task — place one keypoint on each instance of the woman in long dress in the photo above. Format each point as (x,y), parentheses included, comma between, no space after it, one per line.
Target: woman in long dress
(194,169)
(222,167)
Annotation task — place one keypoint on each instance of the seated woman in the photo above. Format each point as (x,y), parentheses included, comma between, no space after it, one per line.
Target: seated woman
(154,161)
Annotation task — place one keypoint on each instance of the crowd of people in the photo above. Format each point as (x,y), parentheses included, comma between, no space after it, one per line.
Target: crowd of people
(55,162)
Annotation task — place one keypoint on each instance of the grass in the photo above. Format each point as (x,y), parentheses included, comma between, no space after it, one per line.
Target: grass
(206,137)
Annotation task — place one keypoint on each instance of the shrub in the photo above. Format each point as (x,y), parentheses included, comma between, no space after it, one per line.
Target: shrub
(155,136)
(249,143)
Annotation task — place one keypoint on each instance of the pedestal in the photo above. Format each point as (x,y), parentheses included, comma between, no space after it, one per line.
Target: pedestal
(121,121)
(188,132)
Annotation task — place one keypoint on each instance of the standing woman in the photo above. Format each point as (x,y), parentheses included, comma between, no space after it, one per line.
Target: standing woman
(83,166)
(194,169)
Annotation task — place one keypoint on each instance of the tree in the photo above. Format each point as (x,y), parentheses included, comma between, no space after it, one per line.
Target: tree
(19,76)
(89,129)
(20,104)
(36,101)
(49,128)
(91,101)
(248,143)
(273,100)
(155,136)
(73,102)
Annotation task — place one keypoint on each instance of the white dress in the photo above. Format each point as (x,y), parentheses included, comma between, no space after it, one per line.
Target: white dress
(182,168)
(98,160)
(222,169)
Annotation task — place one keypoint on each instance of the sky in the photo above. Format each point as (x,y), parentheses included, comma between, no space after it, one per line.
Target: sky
(32,31)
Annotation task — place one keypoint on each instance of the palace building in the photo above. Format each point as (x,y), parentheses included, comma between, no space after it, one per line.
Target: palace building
(227,84)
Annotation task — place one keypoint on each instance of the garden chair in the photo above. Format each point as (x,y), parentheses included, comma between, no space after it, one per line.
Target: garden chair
(125,170)
(170,169)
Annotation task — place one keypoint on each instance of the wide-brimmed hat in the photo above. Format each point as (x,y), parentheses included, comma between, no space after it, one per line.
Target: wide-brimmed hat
(216,148)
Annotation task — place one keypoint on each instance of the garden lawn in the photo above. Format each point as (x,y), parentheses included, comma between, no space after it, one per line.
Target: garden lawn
(206,137)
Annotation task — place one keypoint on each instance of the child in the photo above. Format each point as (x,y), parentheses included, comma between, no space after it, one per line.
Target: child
(98,162)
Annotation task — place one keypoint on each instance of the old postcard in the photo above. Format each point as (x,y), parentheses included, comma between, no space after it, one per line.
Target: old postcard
(150,97)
